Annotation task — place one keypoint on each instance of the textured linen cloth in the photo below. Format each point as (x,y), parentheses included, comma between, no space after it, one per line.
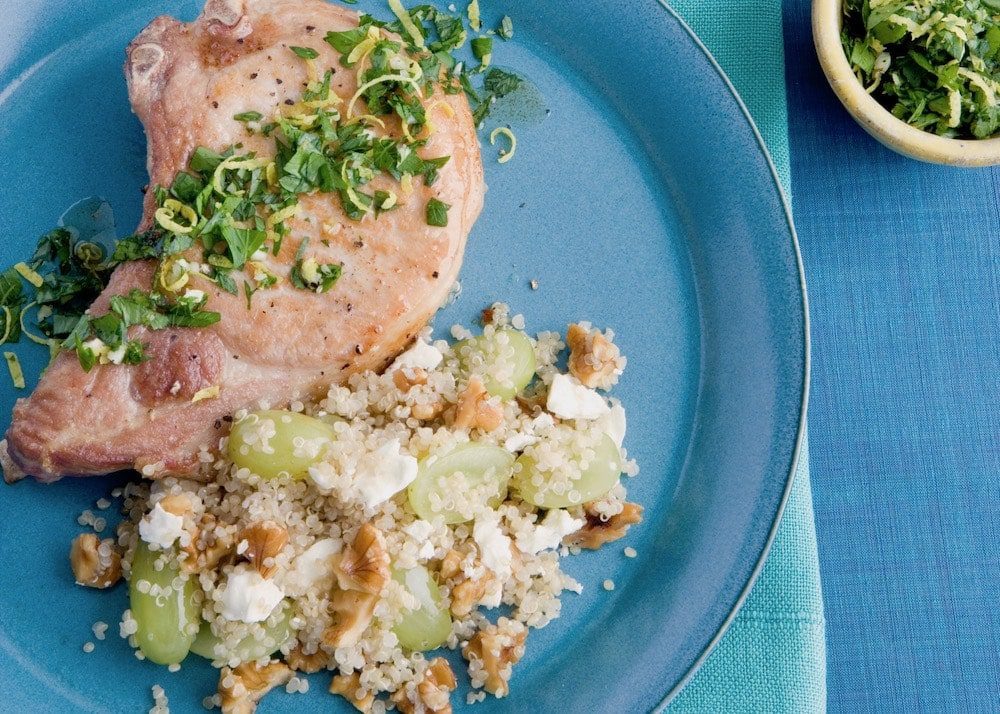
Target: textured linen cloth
(773,657)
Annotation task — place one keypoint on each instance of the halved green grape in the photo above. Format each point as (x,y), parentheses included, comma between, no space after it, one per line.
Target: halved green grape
(167,623)
(276,442)
(596,480)
(456,484)
(428,626)
(504,360)
(249,648)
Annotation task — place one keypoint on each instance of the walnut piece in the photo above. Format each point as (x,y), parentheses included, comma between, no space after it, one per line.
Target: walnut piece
(308,663)
(264,541)
(451,564)
(406,378)
(468,593)
(425,412)
(475,410)
(241,688)
(364,564)
(349,687)
(178,504)
(433,692)
(597,532)
(207,546)
(493,652)
(351,612)
(593,358)
(96,563)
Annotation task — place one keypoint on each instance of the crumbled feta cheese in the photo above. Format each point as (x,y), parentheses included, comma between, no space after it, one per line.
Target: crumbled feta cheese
(613,424)
(569,399)
(494,546)
(419,530)
(160,527)
(494,594)
(314,565)
(248,597)
(258,255)
(387,472)
(519,441)
(194,296)
(421,355)
(323,475)
(549,533)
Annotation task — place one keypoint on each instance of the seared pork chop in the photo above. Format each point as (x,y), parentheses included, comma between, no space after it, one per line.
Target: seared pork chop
(186,82)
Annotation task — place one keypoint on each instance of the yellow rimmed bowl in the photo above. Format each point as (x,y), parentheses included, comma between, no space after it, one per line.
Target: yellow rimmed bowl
(899,136)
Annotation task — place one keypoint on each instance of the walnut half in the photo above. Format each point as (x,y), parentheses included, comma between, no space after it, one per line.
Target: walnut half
(598,532)
(308,663)
(475,409)
(96,563)
(364,564)
(264,541)
(593,358)
(241,688)
(492,653)
(349,687)
(433,692)
(351,612)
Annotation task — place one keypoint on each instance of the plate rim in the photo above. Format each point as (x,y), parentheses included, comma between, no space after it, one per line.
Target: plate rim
(800,434)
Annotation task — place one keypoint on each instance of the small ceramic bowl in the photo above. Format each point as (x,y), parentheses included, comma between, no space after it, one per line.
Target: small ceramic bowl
(876,119)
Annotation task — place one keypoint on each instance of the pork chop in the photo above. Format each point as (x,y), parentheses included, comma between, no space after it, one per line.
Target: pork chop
(186,82)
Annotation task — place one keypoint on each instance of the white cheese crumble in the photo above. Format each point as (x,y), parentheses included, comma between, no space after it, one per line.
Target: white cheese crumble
(613,424)
(314,565)
(421,355)
(160,527)
(248,597)
(549,533)
(568,399)
(385,474)
(494,546)
(323,475)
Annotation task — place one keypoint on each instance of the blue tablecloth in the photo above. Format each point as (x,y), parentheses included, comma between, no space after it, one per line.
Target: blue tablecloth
(903,265)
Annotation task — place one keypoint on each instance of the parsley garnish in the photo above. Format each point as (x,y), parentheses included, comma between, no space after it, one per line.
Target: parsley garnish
(437,213)
(305,52)
(248,116)
(935,65)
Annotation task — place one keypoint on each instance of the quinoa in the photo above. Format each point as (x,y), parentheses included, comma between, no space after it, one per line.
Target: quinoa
(495,547)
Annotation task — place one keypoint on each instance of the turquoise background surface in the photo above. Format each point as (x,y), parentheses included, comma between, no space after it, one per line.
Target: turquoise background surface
(773,657)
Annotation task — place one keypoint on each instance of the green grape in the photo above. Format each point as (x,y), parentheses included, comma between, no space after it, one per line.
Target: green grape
(428,626)
(599,477)
(299,441)
(460,481)
(248,648)
(505,360)
(167,623)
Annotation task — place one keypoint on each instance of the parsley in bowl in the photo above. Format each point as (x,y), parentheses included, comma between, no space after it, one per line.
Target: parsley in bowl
(922,76)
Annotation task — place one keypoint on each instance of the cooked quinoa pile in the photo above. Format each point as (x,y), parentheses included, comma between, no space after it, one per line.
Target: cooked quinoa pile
(358,532)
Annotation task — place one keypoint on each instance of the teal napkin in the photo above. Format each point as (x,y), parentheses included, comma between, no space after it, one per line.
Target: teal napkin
(773,657)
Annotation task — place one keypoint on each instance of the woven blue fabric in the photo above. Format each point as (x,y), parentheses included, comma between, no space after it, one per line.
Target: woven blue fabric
(773,657)
(903,260)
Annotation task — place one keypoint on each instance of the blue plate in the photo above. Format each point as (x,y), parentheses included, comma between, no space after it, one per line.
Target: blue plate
(643,200)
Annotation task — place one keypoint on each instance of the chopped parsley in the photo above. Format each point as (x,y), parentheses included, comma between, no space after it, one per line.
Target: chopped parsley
(437,213)
(248,116)
(221,216)
(934,64)
(305,52)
